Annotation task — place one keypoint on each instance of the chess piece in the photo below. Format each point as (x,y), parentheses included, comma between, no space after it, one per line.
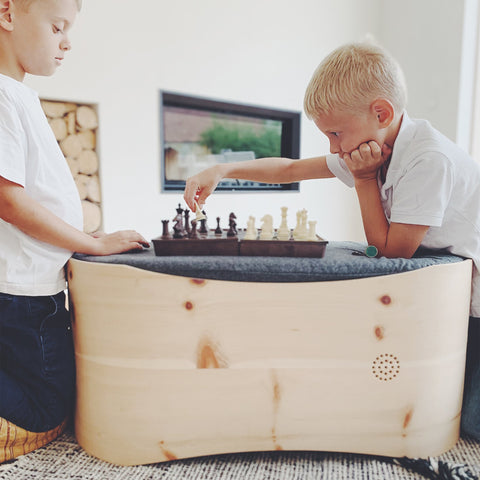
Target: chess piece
(193,232)
(199,215)
(303,226)
(251,233)
(283,232)
(232,224)
(203,225)
(301,232)
(297,225)
(186,214)
(165,232)
(218,230)
(178,228)
(312,235)
(267,228)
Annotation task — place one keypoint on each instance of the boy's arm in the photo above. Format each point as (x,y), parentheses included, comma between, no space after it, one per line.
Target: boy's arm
(17,208)
(394,239)
(268,170)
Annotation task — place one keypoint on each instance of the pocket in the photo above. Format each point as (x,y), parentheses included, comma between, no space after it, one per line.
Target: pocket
(5,301)
(57,346)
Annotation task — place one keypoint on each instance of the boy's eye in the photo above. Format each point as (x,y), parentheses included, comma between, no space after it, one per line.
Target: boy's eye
(56,29)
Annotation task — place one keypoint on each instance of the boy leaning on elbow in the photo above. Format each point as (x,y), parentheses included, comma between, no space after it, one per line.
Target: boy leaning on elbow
(40,226)
(415,187)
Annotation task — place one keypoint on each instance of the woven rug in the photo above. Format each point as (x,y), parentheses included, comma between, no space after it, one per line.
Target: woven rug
(64,459)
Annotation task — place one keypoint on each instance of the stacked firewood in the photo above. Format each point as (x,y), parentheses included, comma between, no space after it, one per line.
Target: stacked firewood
(75,128)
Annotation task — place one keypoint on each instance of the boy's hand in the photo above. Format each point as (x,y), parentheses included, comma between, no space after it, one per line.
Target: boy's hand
(200,186)
(118,242)
(365,161)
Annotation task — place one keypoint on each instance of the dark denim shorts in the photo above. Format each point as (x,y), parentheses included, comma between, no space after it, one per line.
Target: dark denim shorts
(471,393)
(37,369)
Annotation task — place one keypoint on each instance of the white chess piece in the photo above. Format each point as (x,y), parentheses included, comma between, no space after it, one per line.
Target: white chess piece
(267,228)
(297,225)
(303,226)
(251,233)
(283,232)
(199,215)
(301,232)
(312,234)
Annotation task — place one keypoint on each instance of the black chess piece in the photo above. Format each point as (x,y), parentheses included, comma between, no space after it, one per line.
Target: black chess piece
(218,230)
(186,214)
(165,232)
(193,231)
(232,224)
(178,228)
(203,225)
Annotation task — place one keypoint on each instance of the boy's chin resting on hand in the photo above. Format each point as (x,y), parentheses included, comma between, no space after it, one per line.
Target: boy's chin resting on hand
(365,161)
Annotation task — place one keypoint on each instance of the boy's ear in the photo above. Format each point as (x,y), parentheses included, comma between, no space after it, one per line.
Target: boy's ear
(383,110)
(6,15)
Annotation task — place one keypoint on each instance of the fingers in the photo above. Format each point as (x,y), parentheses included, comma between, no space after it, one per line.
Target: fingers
(191,189)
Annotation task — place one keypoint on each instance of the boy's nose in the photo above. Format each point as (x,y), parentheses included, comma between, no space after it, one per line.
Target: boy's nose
(334,147)
(66,45)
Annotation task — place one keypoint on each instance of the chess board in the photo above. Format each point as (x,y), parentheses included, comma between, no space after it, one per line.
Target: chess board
(221,244)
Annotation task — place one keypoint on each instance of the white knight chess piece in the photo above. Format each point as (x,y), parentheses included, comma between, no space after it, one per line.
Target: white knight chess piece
(267,228)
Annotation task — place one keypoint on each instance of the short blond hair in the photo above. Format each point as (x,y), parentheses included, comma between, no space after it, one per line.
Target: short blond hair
(351,78)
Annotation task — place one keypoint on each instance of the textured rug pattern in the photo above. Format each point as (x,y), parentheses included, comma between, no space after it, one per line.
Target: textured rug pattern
(64,459)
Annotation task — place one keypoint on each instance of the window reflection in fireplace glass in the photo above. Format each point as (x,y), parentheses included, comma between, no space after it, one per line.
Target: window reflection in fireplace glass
(197,133)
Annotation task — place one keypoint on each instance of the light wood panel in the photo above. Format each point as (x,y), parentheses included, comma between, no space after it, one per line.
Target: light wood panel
(173,367)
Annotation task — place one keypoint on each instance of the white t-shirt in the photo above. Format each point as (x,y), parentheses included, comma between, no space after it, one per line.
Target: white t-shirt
(31,157)
(431,181)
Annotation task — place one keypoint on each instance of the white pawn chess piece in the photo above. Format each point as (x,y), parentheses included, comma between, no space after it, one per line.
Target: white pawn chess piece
(283,232)
(312,234)
(267,228)
(251,233)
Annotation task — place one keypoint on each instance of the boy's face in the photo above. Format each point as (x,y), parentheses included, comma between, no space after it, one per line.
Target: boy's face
(39,37)
(347,131)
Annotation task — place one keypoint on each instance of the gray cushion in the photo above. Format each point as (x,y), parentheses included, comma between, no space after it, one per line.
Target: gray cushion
(341,261)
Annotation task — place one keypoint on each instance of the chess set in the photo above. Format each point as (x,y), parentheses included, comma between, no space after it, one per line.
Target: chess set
(193,237)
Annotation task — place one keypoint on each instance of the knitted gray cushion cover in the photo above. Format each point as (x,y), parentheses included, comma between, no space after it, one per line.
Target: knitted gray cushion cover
(342,260)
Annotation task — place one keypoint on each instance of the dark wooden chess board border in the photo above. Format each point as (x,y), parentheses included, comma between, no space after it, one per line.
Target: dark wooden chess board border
(212,244)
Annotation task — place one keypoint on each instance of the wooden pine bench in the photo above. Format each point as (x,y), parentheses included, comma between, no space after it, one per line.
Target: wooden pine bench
(187,356)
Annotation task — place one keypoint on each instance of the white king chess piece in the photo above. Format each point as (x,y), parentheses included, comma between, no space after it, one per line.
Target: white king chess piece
(283,232)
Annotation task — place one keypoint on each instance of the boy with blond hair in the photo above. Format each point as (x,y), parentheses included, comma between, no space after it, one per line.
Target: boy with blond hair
(415,187)
(40,227)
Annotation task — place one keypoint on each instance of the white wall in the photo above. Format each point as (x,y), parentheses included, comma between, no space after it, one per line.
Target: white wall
(252,51)
(425,36)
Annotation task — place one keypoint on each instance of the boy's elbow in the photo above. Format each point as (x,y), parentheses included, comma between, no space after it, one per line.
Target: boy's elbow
(10,202)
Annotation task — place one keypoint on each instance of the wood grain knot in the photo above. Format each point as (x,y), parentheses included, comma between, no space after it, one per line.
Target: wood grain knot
(408,418)
(167,454)
(209,355)
(70,274)
(386,299)
(198,281)
(379,332)
(188,305)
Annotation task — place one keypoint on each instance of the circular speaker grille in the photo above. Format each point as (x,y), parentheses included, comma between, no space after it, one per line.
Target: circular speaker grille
(386,367)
